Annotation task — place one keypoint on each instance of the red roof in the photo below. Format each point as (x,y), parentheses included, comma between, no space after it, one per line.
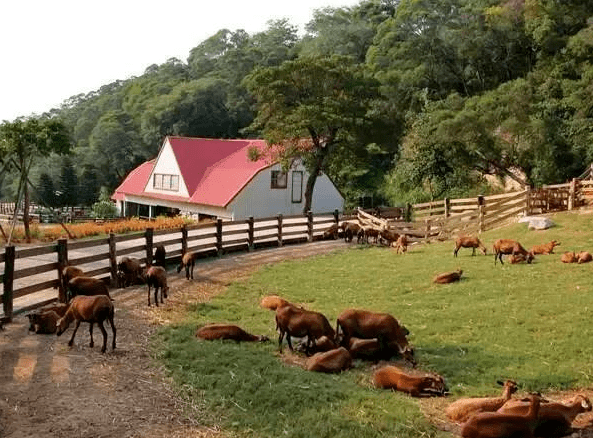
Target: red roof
(214,170)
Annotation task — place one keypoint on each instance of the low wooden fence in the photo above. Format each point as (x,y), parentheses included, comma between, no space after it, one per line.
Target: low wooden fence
(211,239)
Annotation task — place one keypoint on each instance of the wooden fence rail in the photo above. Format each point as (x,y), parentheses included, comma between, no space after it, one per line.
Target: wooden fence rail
(212,239)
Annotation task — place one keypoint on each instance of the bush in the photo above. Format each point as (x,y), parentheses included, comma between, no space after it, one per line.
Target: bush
(104,208)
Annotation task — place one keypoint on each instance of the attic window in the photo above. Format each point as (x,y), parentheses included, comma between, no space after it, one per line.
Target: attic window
(279,179)
(163,181)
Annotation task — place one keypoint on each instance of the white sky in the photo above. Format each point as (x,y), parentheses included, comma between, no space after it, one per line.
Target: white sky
(51,50)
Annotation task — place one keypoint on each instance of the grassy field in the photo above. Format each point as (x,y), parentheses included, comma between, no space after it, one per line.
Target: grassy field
(527,322)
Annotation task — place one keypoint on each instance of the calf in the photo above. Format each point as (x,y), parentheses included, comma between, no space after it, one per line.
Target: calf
(129,271)
(390,377)
(568,257)
(333,232)
(460,410)
(87,286)
(332,361)
(350,230)
(211,332)
(368,325)
(547,248)
(507,246)
(67,274)
(160,256)
(554,419)
(448,277)
(188,262)
(298,322)
(43,323)
(401,244)
(469,242)
(273,302)
(91,309)
(584,257)
(156,276)
(502,425)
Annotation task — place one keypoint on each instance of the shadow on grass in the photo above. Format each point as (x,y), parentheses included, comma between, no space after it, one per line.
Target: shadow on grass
(475,366)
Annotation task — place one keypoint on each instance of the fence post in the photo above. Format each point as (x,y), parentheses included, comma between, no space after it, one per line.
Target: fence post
(427,231)
(250,233)
(9,256)
(408,213)
(572,194)
(219,237)
(280,229)
(183,239)
(310,225)
(481,213)
(447,207)
(336,216)
(528,202)
(113,260)
(62,263)
(149,234)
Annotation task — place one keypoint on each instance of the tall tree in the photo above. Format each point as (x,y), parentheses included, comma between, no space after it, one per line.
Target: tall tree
(24,141)
(68,184)
(312,107)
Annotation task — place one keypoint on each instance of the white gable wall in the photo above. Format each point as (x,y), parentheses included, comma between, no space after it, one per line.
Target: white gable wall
(167,164)
(258,199)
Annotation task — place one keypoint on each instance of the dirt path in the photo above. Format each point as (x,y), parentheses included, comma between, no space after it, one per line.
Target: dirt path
(49,389)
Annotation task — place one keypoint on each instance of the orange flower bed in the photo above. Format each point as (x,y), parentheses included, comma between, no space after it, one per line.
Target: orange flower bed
(53,232)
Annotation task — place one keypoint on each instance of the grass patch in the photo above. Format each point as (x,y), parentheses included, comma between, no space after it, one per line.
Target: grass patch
(526,322)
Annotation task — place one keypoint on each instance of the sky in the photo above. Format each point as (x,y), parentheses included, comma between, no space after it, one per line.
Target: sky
(52,50)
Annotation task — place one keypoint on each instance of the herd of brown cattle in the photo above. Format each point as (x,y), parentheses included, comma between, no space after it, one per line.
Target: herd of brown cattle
(359,334)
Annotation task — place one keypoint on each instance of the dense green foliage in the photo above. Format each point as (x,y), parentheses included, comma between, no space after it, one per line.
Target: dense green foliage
(464,89)
(530,323)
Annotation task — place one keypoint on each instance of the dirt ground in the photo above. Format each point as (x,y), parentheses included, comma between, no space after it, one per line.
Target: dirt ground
(49,389)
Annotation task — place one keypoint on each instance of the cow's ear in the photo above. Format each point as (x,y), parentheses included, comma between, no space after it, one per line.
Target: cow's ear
(500,382)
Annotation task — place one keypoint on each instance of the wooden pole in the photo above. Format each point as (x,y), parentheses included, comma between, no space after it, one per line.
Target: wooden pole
(8,278)
(149,235)
(481,213)
(336,215)
(250,233)
(310,225)
(572,194)
(447,207)
(183,239)
(62,263)
(219,237)
(280,230)
(113,260)
(427,231)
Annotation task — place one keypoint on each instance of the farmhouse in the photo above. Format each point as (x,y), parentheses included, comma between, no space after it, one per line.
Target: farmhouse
(215,178)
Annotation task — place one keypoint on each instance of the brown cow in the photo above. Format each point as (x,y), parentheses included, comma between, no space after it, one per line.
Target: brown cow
(390,377)
(368,325)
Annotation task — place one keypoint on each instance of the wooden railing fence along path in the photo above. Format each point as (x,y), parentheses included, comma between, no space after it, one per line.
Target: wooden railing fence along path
(98,257)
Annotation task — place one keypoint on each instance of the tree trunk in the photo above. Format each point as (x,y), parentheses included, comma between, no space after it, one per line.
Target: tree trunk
(321,154)
(26,211)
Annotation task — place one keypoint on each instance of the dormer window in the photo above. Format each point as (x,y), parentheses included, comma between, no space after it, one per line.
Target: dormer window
(162,181)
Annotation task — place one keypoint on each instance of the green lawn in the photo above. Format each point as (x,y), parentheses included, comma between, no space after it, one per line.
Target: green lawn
(530,323)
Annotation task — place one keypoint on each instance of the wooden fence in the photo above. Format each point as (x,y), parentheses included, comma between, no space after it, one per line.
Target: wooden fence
(211,239)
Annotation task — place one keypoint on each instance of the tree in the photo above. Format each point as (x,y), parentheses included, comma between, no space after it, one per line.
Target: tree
(25,140)
(324,101)
(68,184)
(46,193)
